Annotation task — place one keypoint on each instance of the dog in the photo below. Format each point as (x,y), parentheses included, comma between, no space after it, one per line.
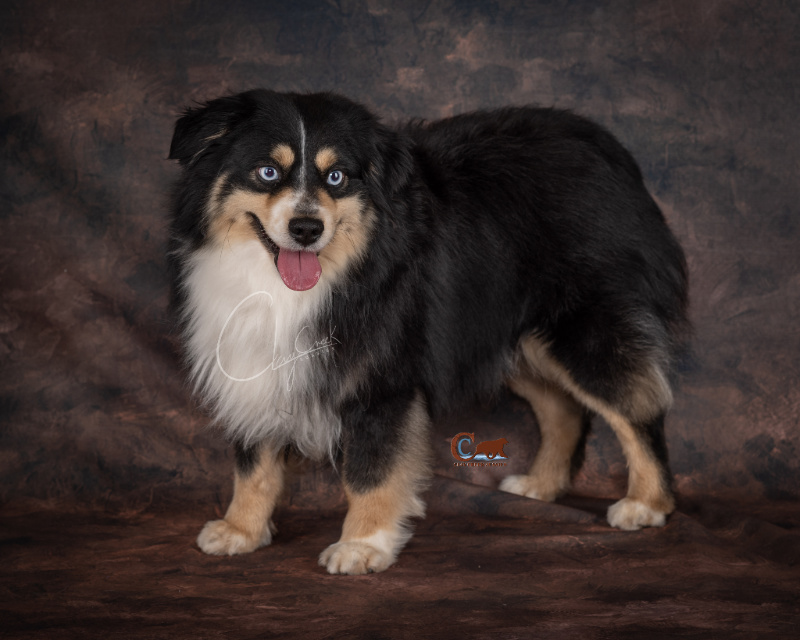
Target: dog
(341,283)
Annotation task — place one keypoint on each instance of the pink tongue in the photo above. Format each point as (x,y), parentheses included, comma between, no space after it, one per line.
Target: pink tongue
(299,270)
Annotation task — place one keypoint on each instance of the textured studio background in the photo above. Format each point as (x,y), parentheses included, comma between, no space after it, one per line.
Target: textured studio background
(93,406)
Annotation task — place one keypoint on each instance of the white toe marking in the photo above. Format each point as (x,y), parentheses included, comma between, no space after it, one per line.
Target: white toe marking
(523,485)
(218,538)
(363,555)
(630,515)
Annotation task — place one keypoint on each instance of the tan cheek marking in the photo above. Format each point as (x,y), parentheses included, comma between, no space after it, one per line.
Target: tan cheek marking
(325,159)
(229,222)
(353,231)
(213,199)
(284,155)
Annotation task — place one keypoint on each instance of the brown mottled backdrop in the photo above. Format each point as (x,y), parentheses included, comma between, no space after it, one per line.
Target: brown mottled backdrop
(106,469)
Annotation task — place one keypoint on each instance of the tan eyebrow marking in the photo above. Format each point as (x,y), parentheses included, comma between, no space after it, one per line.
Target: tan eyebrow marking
(284,155)
(326,158)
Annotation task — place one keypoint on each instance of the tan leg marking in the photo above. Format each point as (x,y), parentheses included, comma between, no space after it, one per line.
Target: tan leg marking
(648,501)
(376,526)
(247,524)
(227,216)
(354,224)
(560,423)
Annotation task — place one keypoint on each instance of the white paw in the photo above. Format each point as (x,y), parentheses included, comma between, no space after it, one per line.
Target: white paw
(355,558)
(529,487)
(220,538)
(631,515)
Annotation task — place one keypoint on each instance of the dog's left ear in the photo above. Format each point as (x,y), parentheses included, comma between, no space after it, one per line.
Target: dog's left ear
(391,166)
(198,128)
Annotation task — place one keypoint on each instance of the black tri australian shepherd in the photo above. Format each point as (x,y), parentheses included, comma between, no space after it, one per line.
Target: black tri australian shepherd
(341,284)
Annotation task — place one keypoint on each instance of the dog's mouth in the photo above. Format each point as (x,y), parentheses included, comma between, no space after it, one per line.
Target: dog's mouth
(299,270)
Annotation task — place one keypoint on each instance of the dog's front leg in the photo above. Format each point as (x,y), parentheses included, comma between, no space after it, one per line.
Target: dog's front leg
(386,467)
(258,483)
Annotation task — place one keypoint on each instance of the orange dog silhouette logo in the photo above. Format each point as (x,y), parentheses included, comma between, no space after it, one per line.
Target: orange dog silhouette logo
(487,451)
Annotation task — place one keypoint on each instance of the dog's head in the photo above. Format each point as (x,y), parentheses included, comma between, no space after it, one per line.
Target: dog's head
(306,175)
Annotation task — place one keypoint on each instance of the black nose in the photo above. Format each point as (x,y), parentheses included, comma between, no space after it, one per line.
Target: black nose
(306,230)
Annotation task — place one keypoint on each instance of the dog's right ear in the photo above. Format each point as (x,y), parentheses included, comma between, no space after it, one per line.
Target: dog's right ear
(201,127)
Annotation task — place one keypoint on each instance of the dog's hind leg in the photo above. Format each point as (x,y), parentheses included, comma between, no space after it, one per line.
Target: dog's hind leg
(563,425)
(386,467)
(649,500)
(258,483)
(637,418)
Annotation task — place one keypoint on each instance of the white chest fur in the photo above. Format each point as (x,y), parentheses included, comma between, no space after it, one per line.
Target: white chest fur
(255,349)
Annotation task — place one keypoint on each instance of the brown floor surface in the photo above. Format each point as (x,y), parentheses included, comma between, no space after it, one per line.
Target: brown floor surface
(482,564)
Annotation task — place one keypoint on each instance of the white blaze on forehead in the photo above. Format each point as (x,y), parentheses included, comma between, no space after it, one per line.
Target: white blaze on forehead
(302,155)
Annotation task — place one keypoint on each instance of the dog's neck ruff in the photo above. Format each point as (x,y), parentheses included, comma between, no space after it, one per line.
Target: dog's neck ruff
(257,349)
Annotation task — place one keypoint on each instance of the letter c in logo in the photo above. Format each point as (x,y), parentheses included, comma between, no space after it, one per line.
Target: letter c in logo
(457,442)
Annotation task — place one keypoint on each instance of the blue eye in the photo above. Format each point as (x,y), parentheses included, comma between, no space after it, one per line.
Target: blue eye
(268,174)
(335,178)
